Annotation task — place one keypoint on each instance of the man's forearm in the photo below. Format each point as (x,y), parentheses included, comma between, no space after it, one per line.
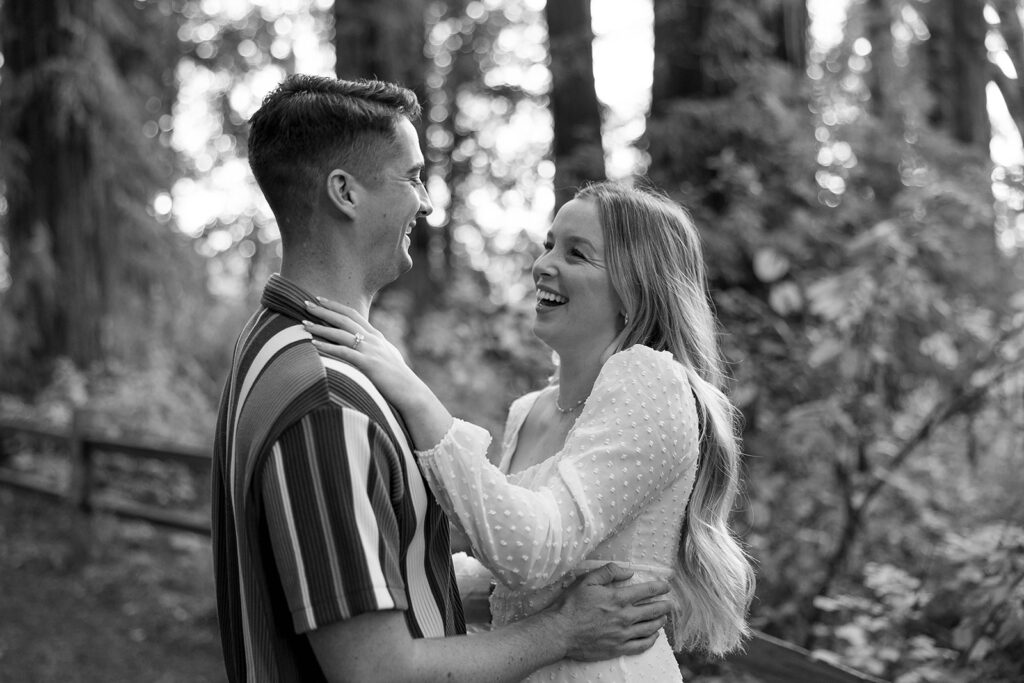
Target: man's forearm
(378,647)
(510,653)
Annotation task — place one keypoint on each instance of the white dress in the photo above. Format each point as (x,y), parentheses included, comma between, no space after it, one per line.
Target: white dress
(617,491)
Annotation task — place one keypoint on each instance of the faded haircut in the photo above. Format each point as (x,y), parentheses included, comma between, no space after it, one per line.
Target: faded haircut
(310,125)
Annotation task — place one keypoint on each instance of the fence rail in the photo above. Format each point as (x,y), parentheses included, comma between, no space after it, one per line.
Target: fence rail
(82,447)
(769,659)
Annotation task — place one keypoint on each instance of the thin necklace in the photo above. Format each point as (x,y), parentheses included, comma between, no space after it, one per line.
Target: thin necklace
(566,411)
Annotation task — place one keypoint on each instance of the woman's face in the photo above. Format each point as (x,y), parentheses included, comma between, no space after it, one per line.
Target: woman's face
(578,311)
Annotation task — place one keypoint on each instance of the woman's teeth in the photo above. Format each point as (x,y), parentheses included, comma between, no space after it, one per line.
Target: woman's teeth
(550,298)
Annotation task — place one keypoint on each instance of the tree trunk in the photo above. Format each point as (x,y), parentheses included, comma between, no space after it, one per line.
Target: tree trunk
(958,70)
(883,77)
(55,236)
(678,55)
(1013,34)
(577,149)
(384,39)
(791,22)
(381,39)
(86,253)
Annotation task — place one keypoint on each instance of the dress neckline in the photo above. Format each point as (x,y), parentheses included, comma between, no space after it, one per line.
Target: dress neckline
(517,416)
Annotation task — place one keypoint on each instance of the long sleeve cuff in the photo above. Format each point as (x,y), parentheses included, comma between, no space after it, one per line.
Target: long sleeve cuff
(463,439)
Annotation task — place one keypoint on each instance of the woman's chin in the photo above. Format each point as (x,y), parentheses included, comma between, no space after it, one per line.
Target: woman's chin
(545,334)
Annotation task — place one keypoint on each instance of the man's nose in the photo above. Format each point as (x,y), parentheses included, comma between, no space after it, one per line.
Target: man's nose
(426,207)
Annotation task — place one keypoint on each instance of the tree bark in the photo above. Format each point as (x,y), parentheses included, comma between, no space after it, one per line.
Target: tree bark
(1013,34)
(958,70)
(80,79)
(884,76)
(55,224)
(381,39)
(577,149)
(384,40)
(678,55)
(791,22)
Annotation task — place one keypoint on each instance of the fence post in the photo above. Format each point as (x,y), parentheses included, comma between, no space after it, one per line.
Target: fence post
(81,467)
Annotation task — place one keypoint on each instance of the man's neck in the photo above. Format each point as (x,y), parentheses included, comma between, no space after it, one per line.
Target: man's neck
(341,284)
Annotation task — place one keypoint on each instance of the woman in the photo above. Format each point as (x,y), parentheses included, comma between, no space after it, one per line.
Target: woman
(630,456)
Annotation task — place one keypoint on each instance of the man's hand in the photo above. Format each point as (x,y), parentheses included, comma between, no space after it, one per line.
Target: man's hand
(604,619)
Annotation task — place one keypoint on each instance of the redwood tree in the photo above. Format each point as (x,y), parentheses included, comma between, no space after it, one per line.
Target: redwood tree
(384,39)
(958,70)
(79,81)
(577,149)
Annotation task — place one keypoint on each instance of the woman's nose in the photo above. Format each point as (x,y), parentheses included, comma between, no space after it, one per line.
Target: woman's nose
(543,265)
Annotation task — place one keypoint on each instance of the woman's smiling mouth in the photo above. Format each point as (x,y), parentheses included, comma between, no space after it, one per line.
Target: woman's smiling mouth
(548,298)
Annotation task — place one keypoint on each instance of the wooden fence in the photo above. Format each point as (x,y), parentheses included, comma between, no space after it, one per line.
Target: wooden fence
(767,659)
(82,447)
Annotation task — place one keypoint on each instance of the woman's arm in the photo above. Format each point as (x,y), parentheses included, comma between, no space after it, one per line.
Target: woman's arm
(636,436)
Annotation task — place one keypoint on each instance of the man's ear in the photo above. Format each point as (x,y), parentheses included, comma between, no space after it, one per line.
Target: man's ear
(344,191)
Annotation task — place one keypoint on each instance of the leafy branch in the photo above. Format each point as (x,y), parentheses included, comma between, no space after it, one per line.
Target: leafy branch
(966,398)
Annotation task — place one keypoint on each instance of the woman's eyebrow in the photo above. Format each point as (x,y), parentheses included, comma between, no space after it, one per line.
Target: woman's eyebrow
(580,240)
(572,239)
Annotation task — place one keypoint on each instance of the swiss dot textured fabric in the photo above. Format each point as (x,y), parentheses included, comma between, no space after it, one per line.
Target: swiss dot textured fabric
(617,491)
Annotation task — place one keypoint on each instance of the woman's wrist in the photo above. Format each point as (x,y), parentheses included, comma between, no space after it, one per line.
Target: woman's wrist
(425,416)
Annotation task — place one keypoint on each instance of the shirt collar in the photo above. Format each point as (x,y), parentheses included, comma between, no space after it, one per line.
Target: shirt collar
(287,298)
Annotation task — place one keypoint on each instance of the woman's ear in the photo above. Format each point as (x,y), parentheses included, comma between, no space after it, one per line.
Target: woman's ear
(344,192)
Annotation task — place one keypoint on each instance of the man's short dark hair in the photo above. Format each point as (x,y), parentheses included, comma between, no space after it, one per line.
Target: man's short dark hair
(309,125)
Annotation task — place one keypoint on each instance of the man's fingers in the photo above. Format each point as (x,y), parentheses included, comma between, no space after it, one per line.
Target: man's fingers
(639,645)
(644,628)
(651,611)
(607,574)
(641,592)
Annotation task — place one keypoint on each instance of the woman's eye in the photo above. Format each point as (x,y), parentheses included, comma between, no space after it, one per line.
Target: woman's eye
(577,253)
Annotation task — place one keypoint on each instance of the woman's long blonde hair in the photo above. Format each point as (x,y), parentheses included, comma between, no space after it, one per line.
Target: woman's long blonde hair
(656,266)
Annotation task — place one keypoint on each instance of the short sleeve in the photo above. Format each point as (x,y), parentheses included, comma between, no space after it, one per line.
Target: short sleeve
(328,485)
(636,436)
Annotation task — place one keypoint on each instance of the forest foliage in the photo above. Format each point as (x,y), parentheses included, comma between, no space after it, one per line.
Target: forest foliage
(864,246)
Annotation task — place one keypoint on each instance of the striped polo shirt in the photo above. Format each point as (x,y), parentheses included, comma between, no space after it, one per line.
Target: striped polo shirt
(320,512)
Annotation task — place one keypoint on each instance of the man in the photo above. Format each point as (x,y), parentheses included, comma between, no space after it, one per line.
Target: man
(332,558)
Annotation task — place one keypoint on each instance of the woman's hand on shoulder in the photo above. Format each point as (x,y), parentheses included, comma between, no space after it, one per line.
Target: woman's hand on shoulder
(350,337)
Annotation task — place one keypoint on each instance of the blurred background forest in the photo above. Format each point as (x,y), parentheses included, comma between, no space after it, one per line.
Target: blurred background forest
(856,169)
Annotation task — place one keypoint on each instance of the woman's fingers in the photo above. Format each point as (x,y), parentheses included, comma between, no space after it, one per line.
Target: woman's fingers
(335,336)
(340,320)
(341,351)
(342,309)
